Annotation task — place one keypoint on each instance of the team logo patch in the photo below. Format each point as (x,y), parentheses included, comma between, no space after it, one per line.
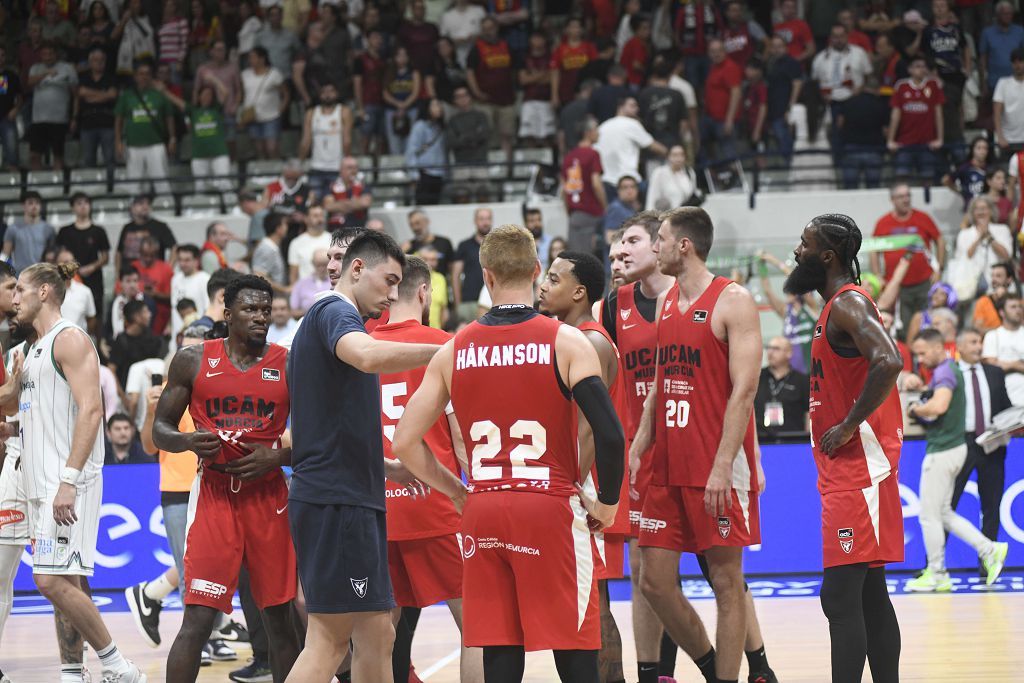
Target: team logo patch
(39,352)
(846,540)
(624,313)
(359,586)
(724,527)
(271,375)
(11,517)
(468,547)
(700,316)
(817,331)
(214,362)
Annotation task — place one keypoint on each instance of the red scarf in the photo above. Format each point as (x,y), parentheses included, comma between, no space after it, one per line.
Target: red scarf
(210,246)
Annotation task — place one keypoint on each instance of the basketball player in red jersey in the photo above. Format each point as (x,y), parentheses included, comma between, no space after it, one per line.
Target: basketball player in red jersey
(703,496)
(424,550)
(573,285)
(628,315)
(856,435)
(529,582)
(236,391)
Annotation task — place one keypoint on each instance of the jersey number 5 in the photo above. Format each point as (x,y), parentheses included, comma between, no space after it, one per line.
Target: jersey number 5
(388,394)
(677,413)
(486,438)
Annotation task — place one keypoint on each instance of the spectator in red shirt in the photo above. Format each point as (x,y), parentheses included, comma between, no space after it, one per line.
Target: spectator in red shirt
(854,36)
(905,220)
(915,126)
(722,95)
(636,54)
(755,102)
(419,36)
(571,55)
(742,37)
(601,17)
(536,117)
(367,80)
(155,281)
(697,23)
(583,191)
(795,31)
(491,75)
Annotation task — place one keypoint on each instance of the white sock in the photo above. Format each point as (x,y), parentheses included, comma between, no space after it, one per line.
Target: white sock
(10,556)
(221,621)
(159,588)
(112,660)
(70,673)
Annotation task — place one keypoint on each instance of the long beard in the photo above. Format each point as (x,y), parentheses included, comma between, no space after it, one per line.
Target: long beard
(808,276)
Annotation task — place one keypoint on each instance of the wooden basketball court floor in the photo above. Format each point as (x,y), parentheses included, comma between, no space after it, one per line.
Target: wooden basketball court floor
(961,638)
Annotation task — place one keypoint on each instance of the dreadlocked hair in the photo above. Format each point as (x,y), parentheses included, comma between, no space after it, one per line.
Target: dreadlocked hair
(841,234)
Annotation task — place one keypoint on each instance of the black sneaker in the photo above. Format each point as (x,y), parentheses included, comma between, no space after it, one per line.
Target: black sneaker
(763,677)
(234,632)
(220,652)
(253,672)
(145,613)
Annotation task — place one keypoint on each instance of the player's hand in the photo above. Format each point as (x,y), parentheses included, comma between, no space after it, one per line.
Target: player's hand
(634,469)
(205,444)
(7,430)
(835,438)
(417,489)
(64,505)
(395,471)
(258,462)
(761,481)
(718,491)
(599,515)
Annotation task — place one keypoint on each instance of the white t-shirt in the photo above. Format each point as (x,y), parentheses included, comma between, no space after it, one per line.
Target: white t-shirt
(1002,344)
(140,379)
(188,287)
(462,25)
(983,256)
(78,305)
(619,142)
(1010,92)
(300,251)
(669,188)
(841,72)
(276,334)
(263,93)
(682,85)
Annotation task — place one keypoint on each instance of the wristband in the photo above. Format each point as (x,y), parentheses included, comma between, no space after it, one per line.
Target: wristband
(69,475)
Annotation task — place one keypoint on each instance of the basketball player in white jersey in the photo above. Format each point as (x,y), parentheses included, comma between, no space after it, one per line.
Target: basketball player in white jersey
(61,417)
(326,138)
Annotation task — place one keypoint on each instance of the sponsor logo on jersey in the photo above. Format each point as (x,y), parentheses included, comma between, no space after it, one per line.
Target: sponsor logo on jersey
(502,355)
(846,540)
(211,588)
(39,352)
(214,362)
(468,547)
(724,527)
(271,375)
(359,586)
(11,517)
(234,405)
(624,313)
(817,331)
(495,544)
(700,316)
(652,525)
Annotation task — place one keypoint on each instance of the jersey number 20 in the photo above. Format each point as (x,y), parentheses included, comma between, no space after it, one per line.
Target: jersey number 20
(487,437)
(677,413)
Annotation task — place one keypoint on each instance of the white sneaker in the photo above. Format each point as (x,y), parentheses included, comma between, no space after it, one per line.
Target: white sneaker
(132,675)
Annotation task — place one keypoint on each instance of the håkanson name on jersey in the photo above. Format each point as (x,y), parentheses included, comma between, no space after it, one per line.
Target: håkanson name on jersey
(502,355)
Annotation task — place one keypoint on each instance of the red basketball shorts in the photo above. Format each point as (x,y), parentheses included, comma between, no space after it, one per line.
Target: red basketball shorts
(611,554)
(674,518)
(230,522)
(530,575)
(863,525)
(425,571)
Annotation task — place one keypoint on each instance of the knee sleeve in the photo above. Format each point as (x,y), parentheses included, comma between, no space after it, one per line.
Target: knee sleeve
(505,663)
(576,666)
(841,590)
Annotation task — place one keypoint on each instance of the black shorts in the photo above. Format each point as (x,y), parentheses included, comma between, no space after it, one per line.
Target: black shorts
(342,552)
(46,137)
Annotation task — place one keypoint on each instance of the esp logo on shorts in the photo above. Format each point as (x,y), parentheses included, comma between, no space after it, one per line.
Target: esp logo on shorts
(271,375)
(724,527)
(846,540)
(700,316)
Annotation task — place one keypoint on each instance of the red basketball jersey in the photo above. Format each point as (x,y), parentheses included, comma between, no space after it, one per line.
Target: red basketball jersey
(240,407)
(836,382)
(637,339)
(434,515)
(693,386)
(517,420)
(617,391)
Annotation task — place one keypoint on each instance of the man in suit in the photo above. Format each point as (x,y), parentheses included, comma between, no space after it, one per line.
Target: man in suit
(985,384)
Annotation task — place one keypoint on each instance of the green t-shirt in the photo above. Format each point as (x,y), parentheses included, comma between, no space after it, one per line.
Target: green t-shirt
(139,129)
(948,430)
(207,132)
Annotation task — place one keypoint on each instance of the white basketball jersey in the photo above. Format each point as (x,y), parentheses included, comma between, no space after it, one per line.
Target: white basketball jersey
(48,413)
(326,151)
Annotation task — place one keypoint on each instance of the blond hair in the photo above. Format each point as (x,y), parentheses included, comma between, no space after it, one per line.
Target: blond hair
(510,253)
(55,276)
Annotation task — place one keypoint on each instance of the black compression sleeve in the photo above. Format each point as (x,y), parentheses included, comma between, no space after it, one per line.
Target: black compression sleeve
(609,441)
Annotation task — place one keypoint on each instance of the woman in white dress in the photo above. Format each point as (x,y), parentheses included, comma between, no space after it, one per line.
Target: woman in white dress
(673,183)
(979,246)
